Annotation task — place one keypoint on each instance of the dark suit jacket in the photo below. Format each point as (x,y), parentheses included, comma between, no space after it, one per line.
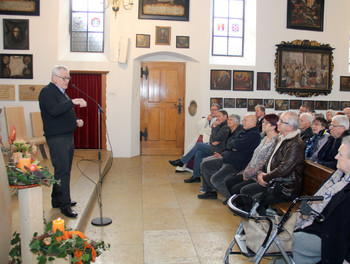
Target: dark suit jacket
(219,133)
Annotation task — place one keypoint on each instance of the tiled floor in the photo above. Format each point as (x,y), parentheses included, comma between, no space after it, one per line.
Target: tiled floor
(157,218)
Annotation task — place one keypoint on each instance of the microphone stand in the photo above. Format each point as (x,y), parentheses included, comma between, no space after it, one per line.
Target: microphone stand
(98,221)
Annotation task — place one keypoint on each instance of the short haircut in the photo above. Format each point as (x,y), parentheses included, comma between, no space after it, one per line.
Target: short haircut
(330,111)
(56,70)
(272,119)
(322,121)
(224,112)
(237,118)
(218,106)
(308,117)
(346,141)
(343,120)
(262,108)
(293,120)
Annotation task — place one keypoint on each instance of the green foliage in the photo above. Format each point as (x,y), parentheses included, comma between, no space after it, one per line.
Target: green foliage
(15,252)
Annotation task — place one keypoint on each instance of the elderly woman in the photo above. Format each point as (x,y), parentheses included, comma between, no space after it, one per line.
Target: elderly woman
(320,137)
(329,115)
(261,154)
(327,241)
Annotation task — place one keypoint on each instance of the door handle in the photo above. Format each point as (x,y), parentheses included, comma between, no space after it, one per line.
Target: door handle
(144,134)
(179,106)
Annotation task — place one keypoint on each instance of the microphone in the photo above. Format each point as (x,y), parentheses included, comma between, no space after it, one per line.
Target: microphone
(98,105)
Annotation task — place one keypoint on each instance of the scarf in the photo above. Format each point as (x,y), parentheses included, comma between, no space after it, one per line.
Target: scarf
(311,142)
(330,188)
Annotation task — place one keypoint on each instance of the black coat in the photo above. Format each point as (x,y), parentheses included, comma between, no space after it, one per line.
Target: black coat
(219,133)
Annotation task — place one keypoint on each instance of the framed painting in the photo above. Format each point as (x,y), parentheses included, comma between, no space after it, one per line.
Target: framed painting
(281,105)
(20,7)
(243,80)
(216,100)
(305,15)
(295,104)
(345,83)
(269,103)
(254,102)
(304,68)
(163,35)
(16,66)
(334,105)
(263,80)
(344,104)
(182,42)
(143,41)
(310,104)
(321,105)
(229,102)
(164,10)
(16,34)
(241,102)
(220,80)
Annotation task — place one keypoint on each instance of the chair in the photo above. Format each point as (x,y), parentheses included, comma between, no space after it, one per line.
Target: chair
(14,116)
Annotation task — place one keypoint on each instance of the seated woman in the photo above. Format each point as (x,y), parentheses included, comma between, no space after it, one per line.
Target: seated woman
(261,154)
(320,137)
(327,241)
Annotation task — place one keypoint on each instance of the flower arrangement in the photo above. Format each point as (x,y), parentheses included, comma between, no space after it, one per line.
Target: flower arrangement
(57,242)
(22,170)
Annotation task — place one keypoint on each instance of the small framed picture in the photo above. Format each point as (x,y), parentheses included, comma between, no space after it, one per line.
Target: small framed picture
(241,102)
(263,81)
(16,34)
(243,80)
(143,41)
(216,100)
(281,105)
(295,104)
(321,105)
(182,42)
(229,102)
(344,104)
(220,80)
(20,7)
(16,66)
(306,15)
(345,83)
(163,35)
(254,102)
(310,104)
(334,105)
(269,103)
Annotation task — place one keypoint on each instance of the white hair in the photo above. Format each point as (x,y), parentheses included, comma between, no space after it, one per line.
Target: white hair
(343,120)
(308,117)
(56,70)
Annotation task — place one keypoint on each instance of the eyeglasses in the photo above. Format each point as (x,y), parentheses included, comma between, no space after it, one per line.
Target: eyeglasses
(282,122)
(335,125)
(64,78)
(316,124)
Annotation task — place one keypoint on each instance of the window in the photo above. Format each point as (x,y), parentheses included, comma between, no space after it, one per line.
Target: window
(87,26)
(228,28)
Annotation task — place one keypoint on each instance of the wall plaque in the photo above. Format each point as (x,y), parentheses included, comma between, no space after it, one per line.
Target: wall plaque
(29,92)
(7,92)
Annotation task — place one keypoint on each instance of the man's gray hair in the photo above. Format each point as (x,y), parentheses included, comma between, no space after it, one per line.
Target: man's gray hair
(237,118)
(308,116)
(343,120)
(346,141)
(262,108)
(218,106)
(56,70)
(292,120)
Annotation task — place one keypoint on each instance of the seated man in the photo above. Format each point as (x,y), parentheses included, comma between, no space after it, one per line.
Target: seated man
(287,161)
(235,158)
(320,137)
(204,131)
(327,241)
(217,141)
(339,129)
(305,127)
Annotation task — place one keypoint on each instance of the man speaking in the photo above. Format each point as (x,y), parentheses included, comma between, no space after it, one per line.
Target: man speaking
(60,122)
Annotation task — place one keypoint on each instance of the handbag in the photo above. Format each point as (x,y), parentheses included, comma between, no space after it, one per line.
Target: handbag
(256,231)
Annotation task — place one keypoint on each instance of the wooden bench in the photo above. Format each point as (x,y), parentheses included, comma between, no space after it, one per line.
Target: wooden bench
(314,175)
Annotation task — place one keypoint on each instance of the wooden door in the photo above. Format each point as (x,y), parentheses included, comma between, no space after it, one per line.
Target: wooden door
(162,108)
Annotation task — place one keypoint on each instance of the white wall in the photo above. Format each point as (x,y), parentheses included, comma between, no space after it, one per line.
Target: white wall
(49,44)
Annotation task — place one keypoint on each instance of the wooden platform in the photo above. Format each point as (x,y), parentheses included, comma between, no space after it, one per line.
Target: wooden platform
(83,190)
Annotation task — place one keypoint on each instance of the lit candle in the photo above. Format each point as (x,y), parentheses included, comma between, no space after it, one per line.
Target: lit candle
(58,224)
